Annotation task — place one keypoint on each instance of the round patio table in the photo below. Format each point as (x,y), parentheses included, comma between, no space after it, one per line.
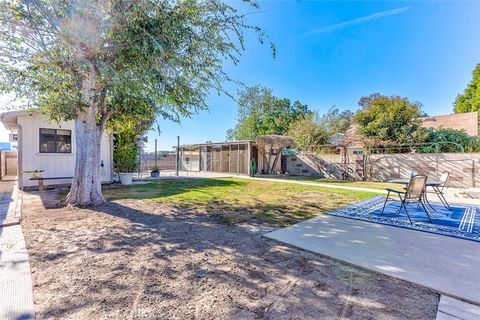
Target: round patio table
(430,182)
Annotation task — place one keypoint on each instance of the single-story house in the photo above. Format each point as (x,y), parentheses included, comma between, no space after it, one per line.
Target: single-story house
(50,146)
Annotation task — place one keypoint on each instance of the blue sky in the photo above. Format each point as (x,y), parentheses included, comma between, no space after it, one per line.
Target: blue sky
(332,53)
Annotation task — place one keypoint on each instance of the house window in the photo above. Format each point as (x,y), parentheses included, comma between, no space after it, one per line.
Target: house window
(55,141)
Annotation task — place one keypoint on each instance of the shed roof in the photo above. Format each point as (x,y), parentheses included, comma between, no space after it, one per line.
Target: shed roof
(216,144)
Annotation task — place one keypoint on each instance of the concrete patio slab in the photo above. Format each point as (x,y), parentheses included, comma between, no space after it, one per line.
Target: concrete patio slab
(447,265)
(450,308)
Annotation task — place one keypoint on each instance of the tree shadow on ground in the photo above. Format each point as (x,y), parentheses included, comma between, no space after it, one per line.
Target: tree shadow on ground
(145,260)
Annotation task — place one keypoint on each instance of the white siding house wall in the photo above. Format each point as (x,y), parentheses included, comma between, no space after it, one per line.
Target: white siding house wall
(53,164)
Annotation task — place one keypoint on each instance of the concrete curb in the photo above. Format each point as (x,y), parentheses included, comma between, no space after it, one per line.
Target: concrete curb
(18,194)
(14,212)
(9,222)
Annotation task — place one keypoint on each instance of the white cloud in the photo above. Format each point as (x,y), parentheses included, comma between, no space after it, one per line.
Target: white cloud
(357,21)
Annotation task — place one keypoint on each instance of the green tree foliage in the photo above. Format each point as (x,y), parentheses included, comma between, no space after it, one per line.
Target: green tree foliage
(308,133)
(261,113)
(366,101)
(91,61)
(126,130)
(336,121)
(390,119)
(450,140)
(469,101)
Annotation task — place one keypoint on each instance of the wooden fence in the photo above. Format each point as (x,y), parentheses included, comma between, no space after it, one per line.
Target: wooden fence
(463,167)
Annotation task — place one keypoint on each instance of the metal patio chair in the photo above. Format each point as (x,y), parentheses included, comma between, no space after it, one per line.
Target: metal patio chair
(438,189)
(414,193)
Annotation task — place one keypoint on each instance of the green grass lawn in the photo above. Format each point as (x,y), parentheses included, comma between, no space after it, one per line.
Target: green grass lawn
(237,200)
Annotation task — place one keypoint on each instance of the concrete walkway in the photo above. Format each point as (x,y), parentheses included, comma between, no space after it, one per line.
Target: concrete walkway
(317,184)
(16,293)
(447,265)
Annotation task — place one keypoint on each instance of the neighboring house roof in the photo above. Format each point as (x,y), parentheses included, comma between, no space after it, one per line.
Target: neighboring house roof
(459,121)
(351,138)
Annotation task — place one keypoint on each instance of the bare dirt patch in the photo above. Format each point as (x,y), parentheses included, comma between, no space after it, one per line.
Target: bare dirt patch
(132,259)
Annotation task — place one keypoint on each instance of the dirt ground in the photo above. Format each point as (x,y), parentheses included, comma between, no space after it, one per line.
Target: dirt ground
(132,259)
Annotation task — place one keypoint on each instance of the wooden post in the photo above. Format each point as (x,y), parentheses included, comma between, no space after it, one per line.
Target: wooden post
(155,153)
(238,158)
(249,156)
(199,159)
(178,156)
(221,158)
(229,157)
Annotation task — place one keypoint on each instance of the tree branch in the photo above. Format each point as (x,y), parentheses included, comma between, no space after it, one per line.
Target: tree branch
(104,118)
(104,113)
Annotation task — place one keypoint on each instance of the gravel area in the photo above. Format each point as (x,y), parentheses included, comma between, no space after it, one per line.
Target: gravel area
(133,259)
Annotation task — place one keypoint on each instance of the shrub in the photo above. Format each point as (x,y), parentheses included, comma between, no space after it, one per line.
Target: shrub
(125,158)
(450,140)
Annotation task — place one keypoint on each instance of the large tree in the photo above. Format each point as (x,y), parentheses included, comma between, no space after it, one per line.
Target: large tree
(309,133)
(469,100)
(389,118)
(336,121)
(261,113)
(91,60)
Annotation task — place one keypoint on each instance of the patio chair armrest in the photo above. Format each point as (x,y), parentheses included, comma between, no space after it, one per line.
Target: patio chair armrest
(395,191)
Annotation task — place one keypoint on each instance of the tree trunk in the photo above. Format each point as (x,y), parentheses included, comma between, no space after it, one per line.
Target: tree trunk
(86,187)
